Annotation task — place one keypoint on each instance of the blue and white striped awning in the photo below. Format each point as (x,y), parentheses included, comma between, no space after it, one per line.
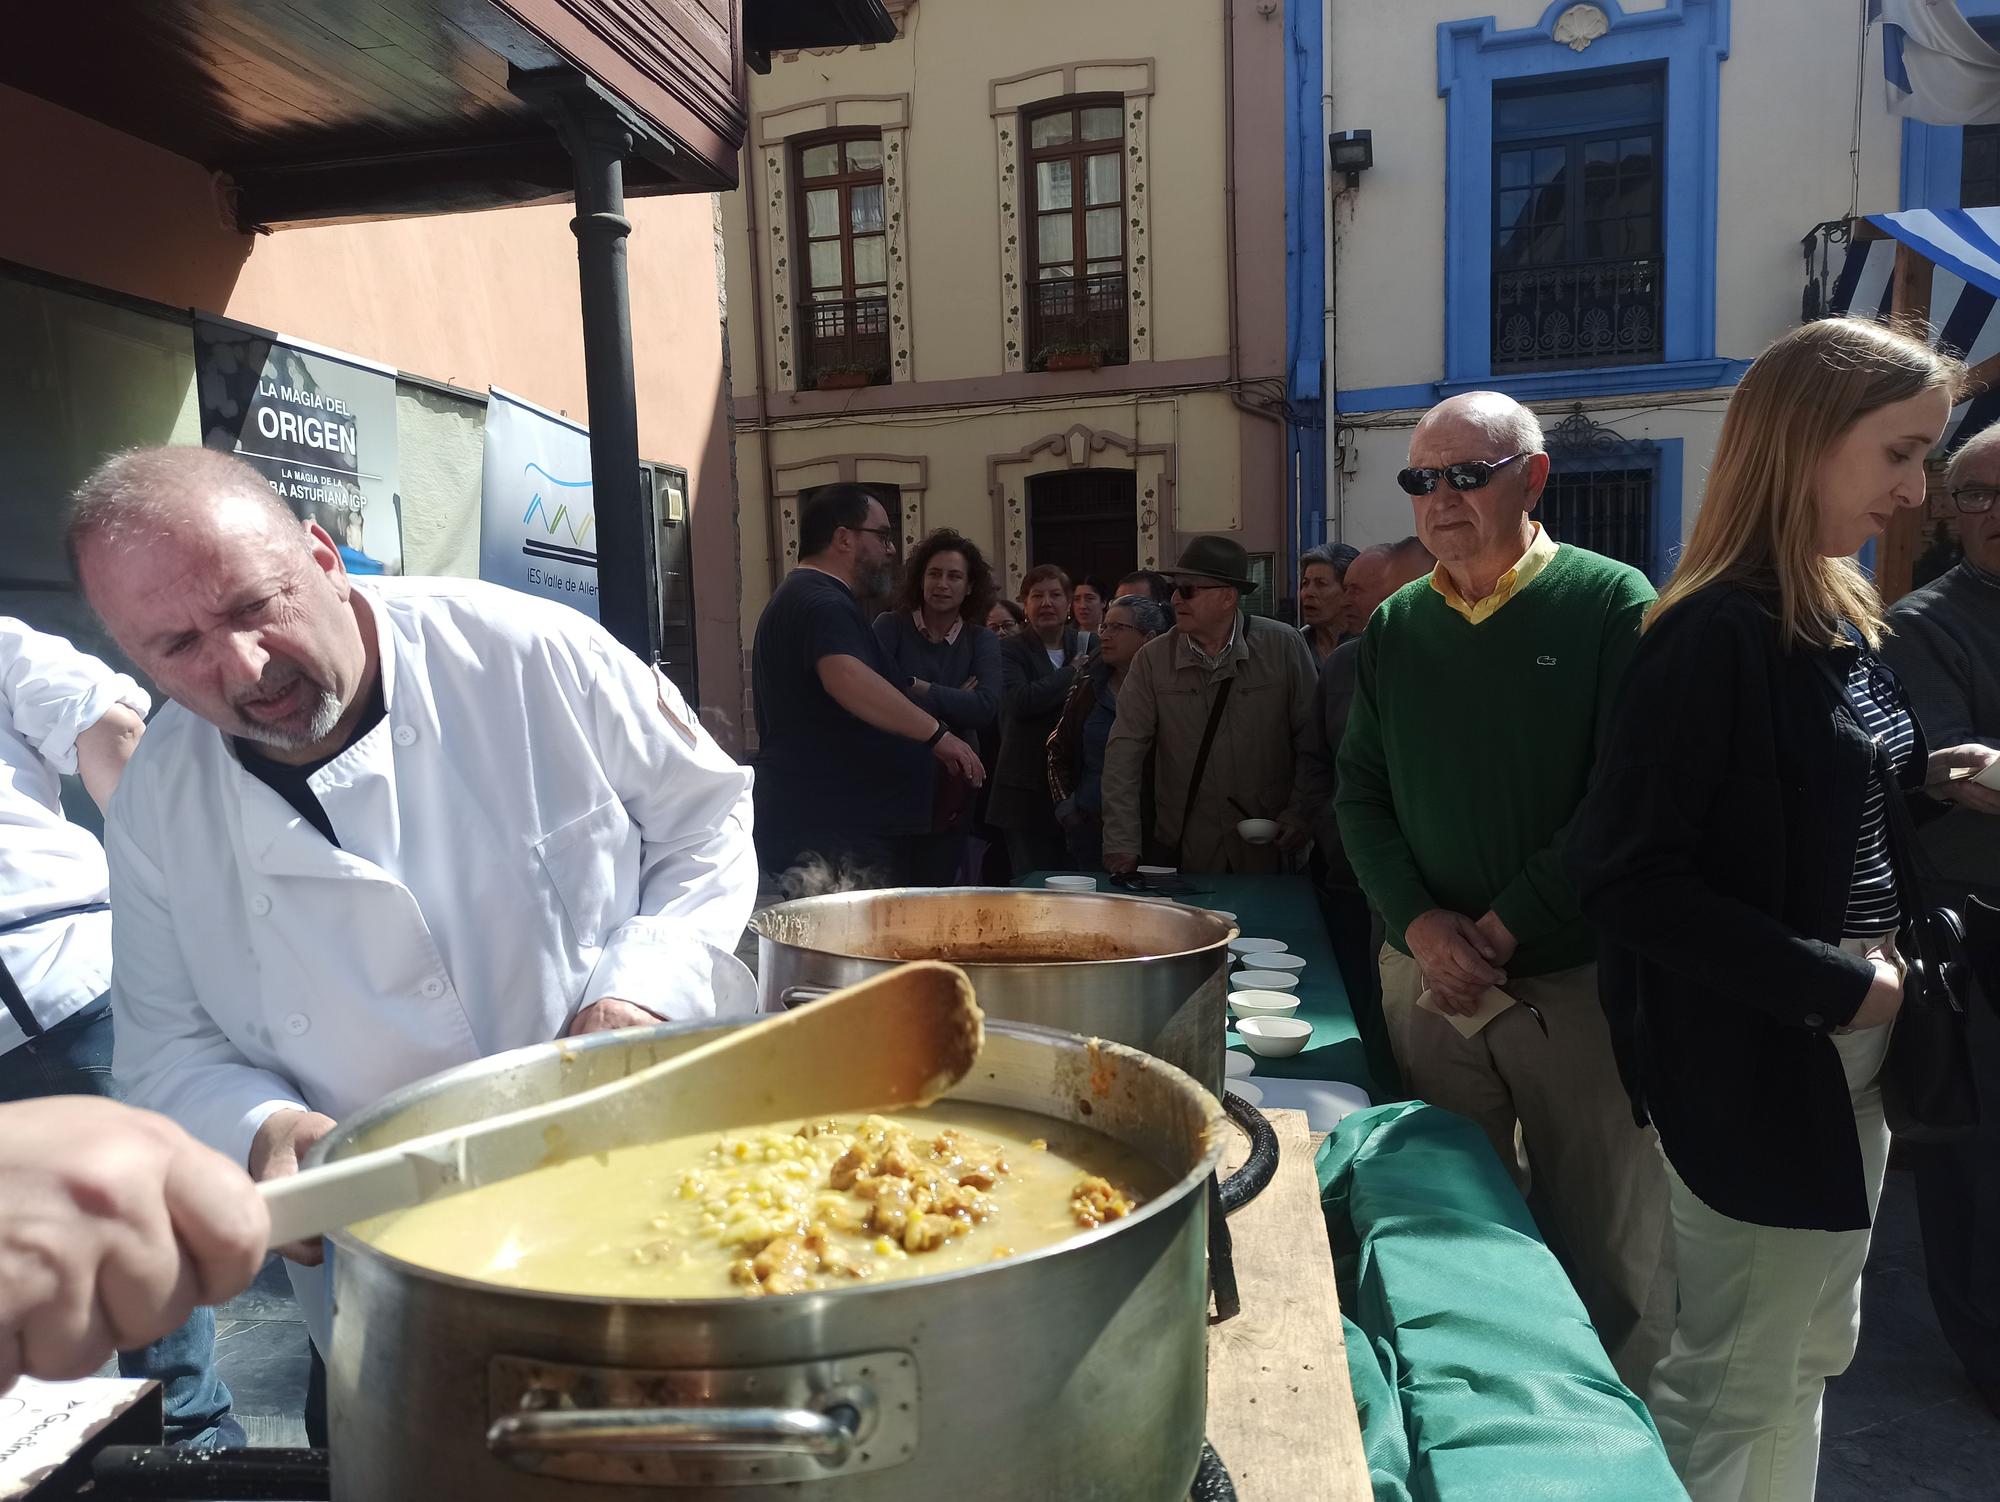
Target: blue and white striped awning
(1964,247)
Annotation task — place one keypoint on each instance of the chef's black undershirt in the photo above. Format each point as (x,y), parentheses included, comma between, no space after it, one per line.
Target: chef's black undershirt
(289,782)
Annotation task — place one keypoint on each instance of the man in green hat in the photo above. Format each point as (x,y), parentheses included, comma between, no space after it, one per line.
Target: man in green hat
(1222,704)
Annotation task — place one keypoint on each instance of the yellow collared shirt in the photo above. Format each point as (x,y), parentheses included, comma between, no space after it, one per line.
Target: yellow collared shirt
(1538,557)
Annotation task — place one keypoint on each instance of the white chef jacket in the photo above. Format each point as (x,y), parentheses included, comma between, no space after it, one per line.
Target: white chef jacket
(537,823)
(50,693)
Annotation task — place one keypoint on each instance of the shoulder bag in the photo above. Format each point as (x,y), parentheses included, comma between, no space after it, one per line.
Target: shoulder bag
(1929,1092)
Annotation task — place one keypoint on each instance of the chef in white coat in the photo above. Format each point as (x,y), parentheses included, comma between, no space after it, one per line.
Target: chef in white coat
(382,829)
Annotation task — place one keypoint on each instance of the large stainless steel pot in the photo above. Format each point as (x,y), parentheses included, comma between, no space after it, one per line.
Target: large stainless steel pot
(1078,1372)
(1151,974)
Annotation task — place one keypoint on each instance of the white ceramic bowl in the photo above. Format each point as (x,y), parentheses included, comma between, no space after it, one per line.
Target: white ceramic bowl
(1248,946)
(1263,1003)
(1236,1065)
(1289,964)
(1257,831)
(1275,1037)
(1250,1094)
(1264,980)
(1159,870)
(1071,883)
(1220,912)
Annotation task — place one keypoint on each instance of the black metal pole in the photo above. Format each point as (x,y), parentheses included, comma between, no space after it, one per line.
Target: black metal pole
(598,142)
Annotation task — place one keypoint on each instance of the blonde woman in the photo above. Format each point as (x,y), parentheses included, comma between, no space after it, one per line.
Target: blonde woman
(1732,854)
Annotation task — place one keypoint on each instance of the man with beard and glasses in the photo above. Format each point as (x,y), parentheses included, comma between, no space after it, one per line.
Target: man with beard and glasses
(844,755)
(383,829)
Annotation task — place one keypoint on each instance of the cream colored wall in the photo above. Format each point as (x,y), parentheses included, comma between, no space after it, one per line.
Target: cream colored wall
(1786,121)
(1376,511)
(949,54)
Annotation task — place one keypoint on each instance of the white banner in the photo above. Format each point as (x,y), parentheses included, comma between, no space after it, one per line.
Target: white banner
(537,515)
(1940,70)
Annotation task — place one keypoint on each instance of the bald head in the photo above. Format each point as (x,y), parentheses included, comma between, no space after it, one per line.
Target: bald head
(1487,420)
(1378,572)
(239,611)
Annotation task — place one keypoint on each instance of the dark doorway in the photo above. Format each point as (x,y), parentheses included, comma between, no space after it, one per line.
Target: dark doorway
(1086,521)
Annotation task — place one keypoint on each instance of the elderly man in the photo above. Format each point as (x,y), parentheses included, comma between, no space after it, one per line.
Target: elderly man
(1222,703)
(383,829)
(1946,648)
(1351,924)
(1322,596)
(1481,697)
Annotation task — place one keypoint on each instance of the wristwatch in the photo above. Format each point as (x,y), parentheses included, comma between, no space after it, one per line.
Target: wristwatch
(937,735)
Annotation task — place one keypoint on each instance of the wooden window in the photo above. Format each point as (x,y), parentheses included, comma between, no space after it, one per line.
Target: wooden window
(843,261)
(1578,271)
(1076,232)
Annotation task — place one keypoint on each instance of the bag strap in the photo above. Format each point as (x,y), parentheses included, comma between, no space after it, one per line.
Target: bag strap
(1207,744)
(10,989)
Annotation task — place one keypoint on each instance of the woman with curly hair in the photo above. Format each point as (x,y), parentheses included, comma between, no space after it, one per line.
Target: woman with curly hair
(949,663)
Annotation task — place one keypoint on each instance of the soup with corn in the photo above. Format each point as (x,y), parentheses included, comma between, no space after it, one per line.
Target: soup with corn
(783,1208)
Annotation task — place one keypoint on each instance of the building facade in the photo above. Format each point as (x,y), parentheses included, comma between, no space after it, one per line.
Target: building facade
(1021,269)
(111,245)
(1600,209)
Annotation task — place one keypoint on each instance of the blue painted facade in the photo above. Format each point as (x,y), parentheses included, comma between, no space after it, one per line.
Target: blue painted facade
(1688,40)
(1664,458)
(1305,277)
(1934,154)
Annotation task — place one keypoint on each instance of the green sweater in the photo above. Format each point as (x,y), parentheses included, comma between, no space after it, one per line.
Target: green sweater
(1469,748)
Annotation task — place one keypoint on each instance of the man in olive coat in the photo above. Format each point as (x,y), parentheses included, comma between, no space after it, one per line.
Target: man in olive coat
(1261,674)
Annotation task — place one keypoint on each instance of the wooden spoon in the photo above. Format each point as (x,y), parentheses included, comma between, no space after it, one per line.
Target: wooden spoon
(900,1039)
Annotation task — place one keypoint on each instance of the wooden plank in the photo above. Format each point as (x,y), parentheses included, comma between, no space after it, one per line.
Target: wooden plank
(1984,376)
(1912,295)
(1280,1409)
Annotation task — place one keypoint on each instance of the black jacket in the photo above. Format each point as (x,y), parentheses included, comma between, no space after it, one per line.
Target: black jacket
(1714,854)
(1032,690)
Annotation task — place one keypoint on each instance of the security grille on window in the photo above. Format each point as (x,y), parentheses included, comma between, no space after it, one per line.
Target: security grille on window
(1979,170)
(1076,243)
(1608,511)
(844,267)
(1578,270)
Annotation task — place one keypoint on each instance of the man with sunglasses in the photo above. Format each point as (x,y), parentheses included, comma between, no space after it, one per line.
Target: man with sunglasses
(1482,691)
(1946,648)
(1222,704)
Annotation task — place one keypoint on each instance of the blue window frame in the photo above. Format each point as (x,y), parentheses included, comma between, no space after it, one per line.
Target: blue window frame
(1682,45)
(1935,160)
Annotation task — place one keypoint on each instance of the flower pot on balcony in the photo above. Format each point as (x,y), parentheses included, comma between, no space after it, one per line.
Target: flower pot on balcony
(1074,359)
(840,380)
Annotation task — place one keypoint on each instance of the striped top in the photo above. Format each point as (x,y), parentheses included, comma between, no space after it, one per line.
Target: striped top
(1877,703)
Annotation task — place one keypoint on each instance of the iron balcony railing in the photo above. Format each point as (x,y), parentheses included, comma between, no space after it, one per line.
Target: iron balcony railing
(1073,311)
(1590,313)
(850,334)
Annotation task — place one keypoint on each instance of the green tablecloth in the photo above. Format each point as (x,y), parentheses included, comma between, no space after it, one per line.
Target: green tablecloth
(1282,907)
(1464,1327)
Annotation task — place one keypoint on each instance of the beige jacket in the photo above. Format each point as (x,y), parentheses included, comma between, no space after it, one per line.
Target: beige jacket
(1163,708)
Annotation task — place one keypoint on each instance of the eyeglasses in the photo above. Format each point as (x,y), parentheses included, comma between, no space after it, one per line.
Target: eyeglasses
(1467,474)
(1973,500)
(886,534)
(1189,591)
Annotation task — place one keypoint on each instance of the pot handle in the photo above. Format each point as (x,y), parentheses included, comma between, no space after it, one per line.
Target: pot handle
(793,996)
(827,1437)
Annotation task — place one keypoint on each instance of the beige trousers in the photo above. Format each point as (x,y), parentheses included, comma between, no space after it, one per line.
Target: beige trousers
(1561,1122)
(1767,1314)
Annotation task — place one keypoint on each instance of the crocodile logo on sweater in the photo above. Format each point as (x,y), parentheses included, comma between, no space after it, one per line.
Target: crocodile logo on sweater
(1545,661)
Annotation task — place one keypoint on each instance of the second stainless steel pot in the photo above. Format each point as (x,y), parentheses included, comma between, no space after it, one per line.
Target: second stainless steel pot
(1150,974)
